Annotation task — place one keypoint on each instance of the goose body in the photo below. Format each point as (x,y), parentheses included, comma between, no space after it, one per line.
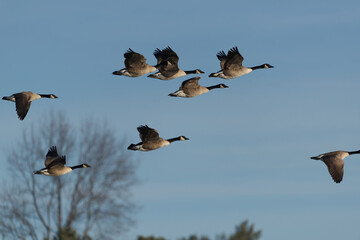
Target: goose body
(231,65)
(23,101)
(335,163)
(150,140)
(55,164)
(167,64)
(191,88)
(135,65)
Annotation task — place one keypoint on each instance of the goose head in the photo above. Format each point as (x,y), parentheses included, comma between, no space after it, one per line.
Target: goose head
(183,138)
(266,65)
(221,85)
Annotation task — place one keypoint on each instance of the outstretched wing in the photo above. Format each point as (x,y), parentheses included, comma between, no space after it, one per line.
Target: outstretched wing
(167,54)
(22,103)
(234,59)
(134,60)
(51,155)
(168,69)
(222,57)
(167,61)
(59,162)
(148,134)
(335,166)
(192,83)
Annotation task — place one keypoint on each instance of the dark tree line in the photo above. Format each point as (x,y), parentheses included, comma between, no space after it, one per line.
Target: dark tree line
(242,232)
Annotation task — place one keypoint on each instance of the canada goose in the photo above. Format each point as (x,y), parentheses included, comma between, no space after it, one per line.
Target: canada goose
(191,88)
(334,162)
(135,65)
(231,65)
(23,101)
(55,164)
(151,140)
(167,63)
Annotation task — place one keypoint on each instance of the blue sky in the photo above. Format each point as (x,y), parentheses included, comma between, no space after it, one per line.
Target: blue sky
(249,148)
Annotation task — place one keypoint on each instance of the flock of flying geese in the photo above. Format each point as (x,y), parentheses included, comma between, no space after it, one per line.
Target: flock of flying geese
(167,66)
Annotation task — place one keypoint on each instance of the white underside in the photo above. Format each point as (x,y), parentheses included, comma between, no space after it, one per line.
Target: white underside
(180,93)
(158,75)
(124,72)
(58,172)
(141,148)
(242,72)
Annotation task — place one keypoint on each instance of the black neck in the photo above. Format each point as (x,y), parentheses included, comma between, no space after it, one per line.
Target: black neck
(190,72)
(355,152)
(77,166)
(213,87)
(45,95)
(258,67)
(173,139)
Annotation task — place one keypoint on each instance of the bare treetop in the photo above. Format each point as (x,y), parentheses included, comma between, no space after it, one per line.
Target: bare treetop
(94,202)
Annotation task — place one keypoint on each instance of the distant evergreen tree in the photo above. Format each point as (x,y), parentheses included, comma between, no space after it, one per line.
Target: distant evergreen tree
(242,232)
(245,232)
(150,238)
(194,237)
(221,237)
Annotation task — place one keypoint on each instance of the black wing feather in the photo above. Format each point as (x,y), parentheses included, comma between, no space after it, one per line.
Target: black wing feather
(51,155)
(59,161)
(147,134)
(22,104)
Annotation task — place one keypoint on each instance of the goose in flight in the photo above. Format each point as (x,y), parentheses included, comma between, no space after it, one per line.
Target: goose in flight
(231,65)
(167,63)
(191,88)
(335,163)
(135,65)
(55,164)
(151,140)
(23,101)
